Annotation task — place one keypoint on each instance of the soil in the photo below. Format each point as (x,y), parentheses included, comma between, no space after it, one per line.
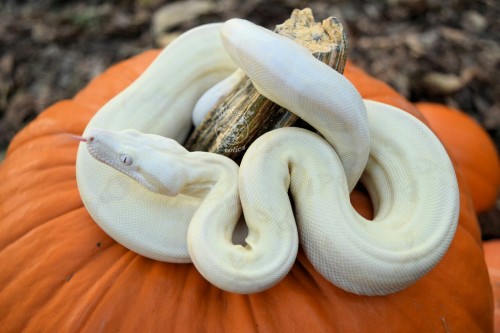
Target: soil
(429,50)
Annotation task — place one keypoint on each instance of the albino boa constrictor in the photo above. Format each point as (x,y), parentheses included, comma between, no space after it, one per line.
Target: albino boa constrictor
(166,203)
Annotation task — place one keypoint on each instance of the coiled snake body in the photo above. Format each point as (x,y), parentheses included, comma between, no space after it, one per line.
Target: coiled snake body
(166,203)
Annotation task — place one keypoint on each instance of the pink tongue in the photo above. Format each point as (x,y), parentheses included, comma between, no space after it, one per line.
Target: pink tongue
(79,138)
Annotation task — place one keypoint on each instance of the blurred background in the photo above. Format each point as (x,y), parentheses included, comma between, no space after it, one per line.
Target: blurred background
(429,50)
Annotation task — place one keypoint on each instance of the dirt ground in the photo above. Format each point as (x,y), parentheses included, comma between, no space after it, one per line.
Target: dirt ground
(444,51)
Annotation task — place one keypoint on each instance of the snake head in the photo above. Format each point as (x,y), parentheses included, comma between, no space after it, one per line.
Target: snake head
(136,155)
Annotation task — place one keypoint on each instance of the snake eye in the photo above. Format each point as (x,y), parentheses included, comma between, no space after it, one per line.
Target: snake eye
(126,159)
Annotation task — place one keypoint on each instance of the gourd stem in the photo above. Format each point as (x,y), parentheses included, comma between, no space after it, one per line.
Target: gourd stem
(244,114)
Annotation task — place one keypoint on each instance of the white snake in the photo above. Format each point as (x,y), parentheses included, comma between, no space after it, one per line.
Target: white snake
(168,204)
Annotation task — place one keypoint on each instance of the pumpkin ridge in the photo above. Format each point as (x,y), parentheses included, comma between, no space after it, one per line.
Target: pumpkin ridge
(46,285)
(40,221)
(35,229)
(68,185)
(104,286)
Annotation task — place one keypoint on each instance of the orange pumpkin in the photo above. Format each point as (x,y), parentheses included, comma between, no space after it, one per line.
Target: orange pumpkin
(492,255)
(471,147)
(61,273)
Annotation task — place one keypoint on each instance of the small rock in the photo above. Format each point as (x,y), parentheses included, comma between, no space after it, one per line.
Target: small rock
(172,15)
(474,22)
(42,33)
(429,39)
(414,43)
(441,83)
(7,64)
(372,10)
(453,35)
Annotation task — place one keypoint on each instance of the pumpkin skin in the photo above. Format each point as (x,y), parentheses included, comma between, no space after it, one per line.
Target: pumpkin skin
(492,256)
(62,273)
(471,147)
